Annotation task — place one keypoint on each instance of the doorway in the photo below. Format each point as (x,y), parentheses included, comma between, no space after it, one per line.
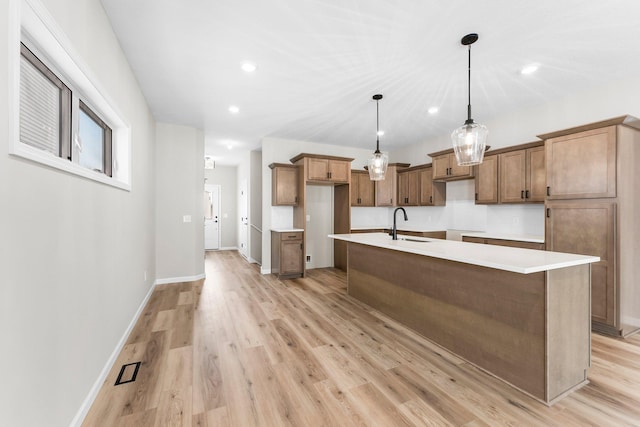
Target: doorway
(244,220)
(319,246)
(211,217)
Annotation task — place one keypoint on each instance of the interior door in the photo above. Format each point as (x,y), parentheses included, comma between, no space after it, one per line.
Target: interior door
(211,217)
(244,220)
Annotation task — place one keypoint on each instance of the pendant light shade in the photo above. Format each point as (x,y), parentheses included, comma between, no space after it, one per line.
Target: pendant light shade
(470,139)
(378,162)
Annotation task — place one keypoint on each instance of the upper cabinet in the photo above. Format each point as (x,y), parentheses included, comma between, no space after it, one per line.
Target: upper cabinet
(328,169)
(362,189)
(387,189)
(431,193)
(408,192)
(522,175)
(582,165)
(445,167)
(284,184)
(487,180)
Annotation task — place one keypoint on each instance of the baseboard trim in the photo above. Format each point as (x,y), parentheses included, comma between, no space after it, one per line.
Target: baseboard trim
(179,279)
(97,385)
(265,270)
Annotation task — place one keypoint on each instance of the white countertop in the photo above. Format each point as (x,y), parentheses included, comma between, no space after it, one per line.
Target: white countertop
(287,230)
(503,236)
(516,260)
(419,229)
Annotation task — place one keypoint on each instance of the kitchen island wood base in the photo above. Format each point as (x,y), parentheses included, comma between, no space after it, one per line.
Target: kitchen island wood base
(530,330)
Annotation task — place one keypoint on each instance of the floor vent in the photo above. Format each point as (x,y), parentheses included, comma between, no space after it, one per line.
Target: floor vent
(128,373)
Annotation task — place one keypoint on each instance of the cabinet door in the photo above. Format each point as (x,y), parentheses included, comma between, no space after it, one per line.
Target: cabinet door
(285,186)
(582,165)
(318,169)
(291,257)
(487,181)
(512,176)
(440,167)
(366,190)
(387,189)
(408,188)
(589,229)
(339,170)
(536,175)
(426,187)
(458,171)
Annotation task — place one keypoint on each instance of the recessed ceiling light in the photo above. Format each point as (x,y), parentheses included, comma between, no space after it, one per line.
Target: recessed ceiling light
(380,132)
(229,147)
(432,110)
(234,109)
(529,69)
(248,67)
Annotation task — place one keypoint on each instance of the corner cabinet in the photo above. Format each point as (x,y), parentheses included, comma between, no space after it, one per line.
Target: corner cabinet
(592,208)
(284,184)
(445,167)
(287,259)
(387,189)
(363,190)
(486,174)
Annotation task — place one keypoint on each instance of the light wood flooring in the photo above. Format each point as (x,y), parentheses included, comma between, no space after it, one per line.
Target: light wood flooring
(244,349)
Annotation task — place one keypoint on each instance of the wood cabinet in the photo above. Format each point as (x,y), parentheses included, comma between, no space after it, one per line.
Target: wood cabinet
(431,193)
(486,174)
(387,189)
(287,257)
(522,176)
(592,208)
(284,184)
(408,192)
(582,165)
(445,167)
(504,242)
(323,169)
(362,189)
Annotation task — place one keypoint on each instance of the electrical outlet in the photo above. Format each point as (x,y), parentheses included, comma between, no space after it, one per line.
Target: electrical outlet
(186,218)
(308,258)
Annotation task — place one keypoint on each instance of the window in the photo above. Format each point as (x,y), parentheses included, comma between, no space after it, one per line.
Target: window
(46,111)
(45,107)
(60,115)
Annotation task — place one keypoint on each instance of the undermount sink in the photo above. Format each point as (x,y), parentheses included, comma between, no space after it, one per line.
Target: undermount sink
(408,239)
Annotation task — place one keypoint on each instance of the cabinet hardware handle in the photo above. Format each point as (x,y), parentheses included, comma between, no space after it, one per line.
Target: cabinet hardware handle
(522,194)
(548,213)
(548,191)
(296,199)
(292,237)
(301,246)
(430,199)
(526,194)
(476,196)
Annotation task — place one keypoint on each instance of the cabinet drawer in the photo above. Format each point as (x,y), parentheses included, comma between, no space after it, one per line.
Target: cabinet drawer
(296,235)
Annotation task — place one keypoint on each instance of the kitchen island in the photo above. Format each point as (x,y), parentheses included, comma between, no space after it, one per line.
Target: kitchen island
(522,315)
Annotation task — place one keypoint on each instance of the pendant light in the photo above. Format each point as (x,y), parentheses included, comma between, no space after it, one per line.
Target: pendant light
(379,161)
(469,140)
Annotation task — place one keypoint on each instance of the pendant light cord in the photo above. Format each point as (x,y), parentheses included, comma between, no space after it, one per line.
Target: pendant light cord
(469,119)
(377,128)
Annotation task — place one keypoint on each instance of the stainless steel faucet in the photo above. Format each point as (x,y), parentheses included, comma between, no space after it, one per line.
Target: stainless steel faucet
(394,230)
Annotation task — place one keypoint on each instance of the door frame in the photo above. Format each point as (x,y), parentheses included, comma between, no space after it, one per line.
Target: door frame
(212,187)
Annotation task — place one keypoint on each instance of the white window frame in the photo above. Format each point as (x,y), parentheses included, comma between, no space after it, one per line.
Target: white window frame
(36,28)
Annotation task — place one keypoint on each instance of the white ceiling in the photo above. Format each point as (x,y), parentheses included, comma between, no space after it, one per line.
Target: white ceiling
(320,61)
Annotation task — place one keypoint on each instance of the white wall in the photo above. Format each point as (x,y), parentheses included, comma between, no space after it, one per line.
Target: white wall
(255,207)
(280,151)
(73,252)
(227,178)
(179,187)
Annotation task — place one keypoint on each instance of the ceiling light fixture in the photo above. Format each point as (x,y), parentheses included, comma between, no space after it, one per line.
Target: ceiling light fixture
(433,110)
(234,109)
(379,161)
(529,69)
(248,67)
(469,140)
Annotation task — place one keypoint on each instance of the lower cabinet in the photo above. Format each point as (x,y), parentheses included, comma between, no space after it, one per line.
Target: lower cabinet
(287,259)
(504,242)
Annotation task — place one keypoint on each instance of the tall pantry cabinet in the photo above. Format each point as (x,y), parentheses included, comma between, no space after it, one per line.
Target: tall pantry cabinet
(593,208)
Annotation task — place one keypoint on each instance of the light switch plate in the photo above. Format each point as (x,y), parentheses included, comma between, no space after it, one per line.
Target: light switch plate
(308,218)
(186,218)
